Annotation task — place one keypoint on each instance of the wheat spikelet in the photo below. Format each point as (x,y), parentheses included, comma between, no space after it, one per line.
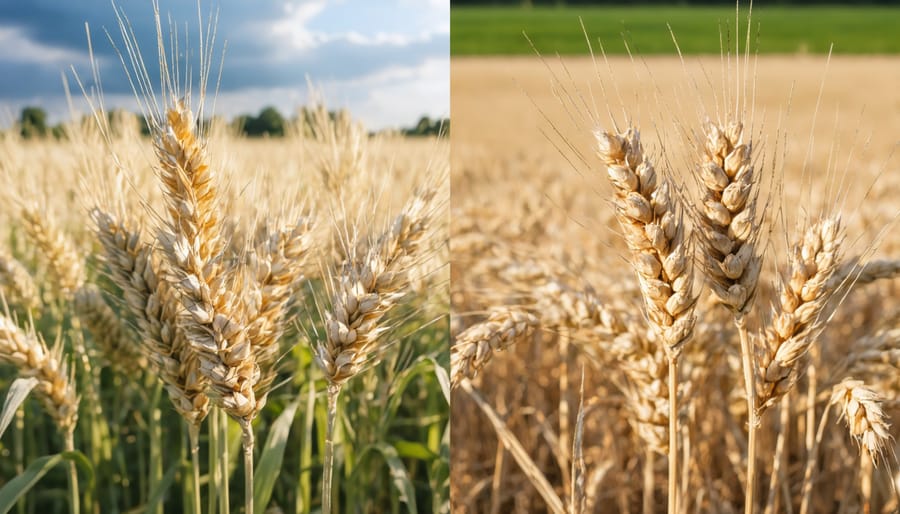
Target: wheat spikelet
(55,388)
(107,329)
(366,288)
(475,346)
(861,407)
(155,307)
(65,264)
(16,283)
(213,321)
(728,227)
(795,318)
(276,266)
(851,273)
(654,229)
(560,305)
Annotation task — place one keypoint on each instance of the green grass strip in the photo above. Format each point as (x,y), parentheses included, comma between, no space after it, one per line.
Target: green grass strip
(784,30)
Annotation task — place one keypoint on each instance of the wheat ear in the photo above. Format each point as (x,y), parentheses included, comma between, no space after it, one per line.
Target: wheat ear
(654,230)
(108,330)
(369,284)
(16,283)
(276,266)
(55,387)
(653,226)
(796,319)
(475,346)
(727,220)
(64,262)
(861,407)
(155,308)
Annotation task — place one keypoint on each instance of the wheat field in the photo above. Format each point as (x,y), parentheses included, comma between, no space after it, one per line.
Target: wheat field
(581,275)
(212,323)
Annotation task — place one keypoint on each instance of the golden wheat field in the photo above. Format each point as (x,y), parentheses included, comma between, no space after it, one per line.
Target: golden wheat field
(583,273)
(213,323)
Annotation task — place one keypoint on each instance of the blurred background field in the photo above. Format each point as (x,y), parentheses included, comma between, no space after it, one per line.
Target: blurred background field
(783,29)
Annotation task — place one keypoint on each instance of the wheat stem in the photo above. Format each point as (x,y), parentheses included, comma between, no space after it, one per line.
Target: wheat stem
(247,441)
(214,469)
(673,435)
(74,507)
(224,501)
(809,472)
(753,421)
(194,441)
(647,498)
(334,390)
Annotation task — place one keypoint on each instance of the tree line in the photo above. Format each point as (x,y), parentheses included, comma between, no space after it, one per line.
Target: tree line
(268,123)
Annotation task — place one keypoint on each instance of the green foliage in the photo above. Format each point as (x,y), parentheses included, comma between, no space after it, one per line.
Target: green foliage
(393,422)
(22,484)
(33,122)
(428,127)
(498,30)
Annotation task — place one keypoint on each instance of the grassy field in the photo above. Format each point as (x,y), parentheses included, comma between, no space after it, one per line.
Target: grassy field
(498,31)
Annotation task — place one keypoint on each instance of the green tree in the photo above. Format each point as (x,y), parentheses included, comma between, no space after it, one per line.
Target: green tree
(33,122)
(269,121)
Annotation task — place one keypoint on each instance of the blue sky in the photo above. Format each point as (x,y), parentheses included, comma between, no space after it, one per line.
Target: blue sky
(385,60)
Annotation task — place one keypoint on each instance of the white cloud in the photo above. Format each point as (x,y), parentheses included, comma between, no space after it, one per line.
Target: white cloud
(295,30)
(18,47)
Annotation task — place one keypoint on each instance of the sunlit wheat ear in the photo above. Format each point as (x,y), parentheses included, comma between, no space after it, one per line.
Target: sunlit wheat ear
(861,407)
(55,387)
(108,330)
(56,249)
(367,286)
(728,225)
(796,320)
(475,346)
(16,283)
(653,226)
(276,267)
(212,320)
(155,307)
